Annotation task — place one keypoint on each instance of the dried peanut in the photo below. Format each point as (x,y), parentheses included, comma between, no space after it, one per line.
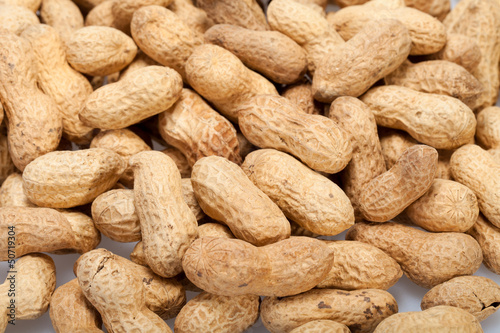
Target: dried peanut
(137,255)
(495,153)
(462,50)
(190,199)
(180,161)
(477,295)
(440,121)
(352,69)
(70,311)
(32,5)
(63,15)
(99,51)
(437,319)
(68,88)
(302,95)
(15,19)
(358,265)
(360,310)
(438,77)
(226,194)
(306,197)
(124,10)
(141,60)
(270,53)
(488,127)
(12,193)
(167,224)
(214,230)
(197,130)
(7,167)
(245,13)
(64,179)
(35,125)
(221,78)
(320,326)
(436,8)
(101,15)
(428,259)
(269,121)
(488,237)
(475,168)
(194,17)
(234,267)
(87,236)
(208,312)
(144,93)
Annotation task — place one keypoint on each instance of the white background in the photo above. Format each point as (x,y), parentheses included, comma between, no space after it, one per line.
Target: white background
(407,294)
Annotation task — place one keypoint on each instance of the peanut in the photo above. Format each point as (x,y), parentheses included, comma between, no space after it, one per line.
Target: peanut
(180,161)
(70,311)
(488,237)
(318,326)
(196,18)
(307,27)
(488,127)
(475,168)
(367,160)
(221,78)
(144,93)
(99,51)
(87,236)
(436,8)
(495,153)
(460,49)
(438,77)
(306,197)
(168,226)
(352,68)
(245,13)
(124,10)
(35,125)
(360,310)
(15,18)
(164,37)
(440,121)
(63,15)
(68,88)
(214,230)
(233,267)
(197,130)
(65,179)
(477,295)
(35,281)
(209,313)
(302,95)
(224,193)
(141,60)
(428,259)
(270,53)
(358,265)
(269,121)
(440,319)
(32,5)
(7,167)
(101,15)
(12,193)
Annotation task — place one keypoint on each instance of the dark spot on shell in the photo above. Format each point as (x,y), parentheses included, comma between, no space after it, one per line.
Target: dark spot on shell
(343,293)
(368,313)
(391,307)
(147,281)
(366,299)
(330,195)
(322,305)
(376,307)
(243,285)
(199,274)
(354,327)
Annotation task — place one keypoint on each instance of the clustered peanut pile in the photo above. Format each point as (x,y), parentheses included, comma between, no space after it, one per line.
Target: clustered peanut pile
(281,123)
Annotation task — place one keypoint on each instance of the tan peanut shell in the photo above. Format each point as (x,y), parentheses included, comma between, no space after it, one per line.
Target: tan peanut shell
(68,88)
(307,27)
(354,67)
(141,60)
(226,194)
(438,319)
(35,125)
(101,15)
(394,143)
(214,230)
(477,295)
(208,312)
(64,179)
(440,121)
(475,168)
(321,326)
(360,310)
(488,127)
(460,49)
(222,79)
(488,237)
(367,161)
(190,198)
(7,167)
(86,234)
(436,8)
(447,206)
(34,279)
(480,20)
(302,95)
(269,121)
(146,92)
(245,13)
(168,226)
(137,255)
(357,265)
(62,15)
(124,10)
(428,259)
(12,193)
(495,153)
(115,216)
(70,311)
(246,147)
(438,77)
(117,293)
(388,194)
(180,161)
(32,5)
(99,51)
(194,17)
(15,18)
(427,34)
(306,197)
(164,37)
(234,267)
(124,142)
(197,130)
(270,53)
